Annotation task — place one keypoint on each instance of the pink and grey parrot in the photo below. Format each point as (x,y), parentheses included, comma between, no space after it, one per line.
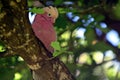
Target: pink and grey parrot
(43,27)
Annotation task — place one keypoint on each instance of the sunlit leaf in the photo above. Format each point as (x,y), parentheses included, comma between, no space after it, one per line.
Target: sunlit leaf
(55,54)
(56,45)
(2,47)
(37,10)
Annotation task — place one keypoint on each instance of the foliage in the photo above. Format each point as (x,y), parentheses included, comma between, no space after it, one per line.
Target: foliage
(57,49)
(15,69)
(2,47)
(37,10)
(83,62)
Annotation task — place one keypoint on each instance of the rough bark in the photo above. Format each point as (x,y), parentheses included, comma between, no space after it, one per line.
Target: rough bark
(19,39)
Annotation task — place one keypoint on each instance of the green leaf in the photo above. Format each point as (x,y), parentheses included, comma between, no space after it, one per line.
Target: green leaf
(58,50)
(55,54)
(57,2)
(37,10)
(61,22)
(2,47)
(62,51)
(90,35)
(56,45)
(102,46)
(99,17)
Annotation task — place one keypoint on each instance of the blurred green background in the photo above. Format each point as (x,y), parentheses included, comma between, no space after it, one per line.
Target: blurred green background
(89,29)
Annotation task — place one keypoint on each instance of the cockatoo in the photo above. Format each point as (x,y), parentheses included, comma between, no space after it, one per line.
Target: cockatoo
(43,27)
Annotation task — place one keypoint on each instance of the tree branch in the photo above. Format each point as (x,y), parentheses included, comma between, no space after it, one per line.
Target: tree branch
(18,37)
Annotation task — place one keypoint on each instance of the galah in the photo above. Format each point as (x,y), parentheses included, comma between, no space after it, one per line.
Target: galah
(43,27)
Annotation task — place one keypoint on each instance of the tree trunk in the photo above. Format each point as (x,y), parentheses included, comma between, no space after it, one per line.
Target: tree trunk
(19,39)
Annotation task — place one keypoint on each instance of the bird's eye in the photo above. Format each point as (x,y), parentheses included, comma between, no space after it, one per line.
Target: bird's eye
(49,15)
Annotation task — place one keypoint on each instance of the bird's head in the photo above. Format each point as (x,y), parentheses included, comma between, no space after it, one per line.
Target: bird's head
(51,13)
